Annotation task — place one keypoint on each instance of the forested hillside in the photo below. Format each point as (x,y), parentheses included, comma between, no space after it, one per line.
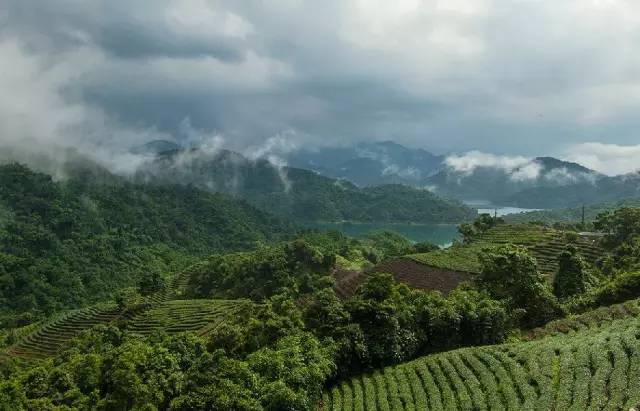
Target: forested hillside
(500,185)
(263,328)
(574,215)
(299,194)
(64,244)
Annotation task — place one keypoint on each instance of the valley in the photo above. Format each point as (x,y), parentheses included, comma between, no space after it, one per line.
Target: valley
(337,304)
(347,205)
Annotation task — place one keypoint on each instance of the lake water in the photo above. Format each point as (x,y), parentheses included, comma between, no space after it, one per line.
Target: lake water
(485,207)
(502,211)
(440,234)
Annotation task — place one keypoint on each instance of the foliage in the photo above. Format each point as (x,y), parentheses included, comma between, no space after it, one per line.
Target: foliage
(599,317)
(621,287)
(285,336)
(590,369)
(65,244)
(621,225)
(260,273)
(424,247)
(480,225)
(510,273)
(107,369)
(151,283)
(572,277)
(544,243)
(386,323)
(390,244)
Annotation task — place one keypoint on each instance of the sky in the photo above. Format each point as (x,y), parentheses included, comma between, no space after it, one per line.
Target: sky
(507,77)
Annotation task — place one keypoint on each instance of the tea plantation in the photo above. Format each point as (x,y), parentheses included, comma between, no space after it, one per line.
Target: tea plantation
(544,243)
(597,368)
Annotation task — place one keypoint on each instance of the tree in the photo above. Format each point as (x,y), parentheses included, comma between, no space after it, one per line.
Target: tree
(482,224)
(510,273)
(621,225)
(424,247)
(382,310)
(151,283)
(467,232)
(572,277)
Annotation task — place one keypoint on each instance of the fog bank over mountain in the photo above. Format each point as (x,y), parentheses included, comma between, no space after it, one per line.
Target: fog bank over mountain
(104,76)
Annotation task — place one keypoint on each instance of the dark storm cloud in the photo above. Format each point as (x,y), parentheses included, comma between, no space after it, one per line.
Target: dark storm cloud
(521,77)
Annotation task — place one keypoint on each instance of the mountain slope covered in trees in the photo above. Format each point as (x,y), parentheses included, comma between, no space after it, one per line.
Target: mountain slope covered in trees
(64,244)
(299,194)
(501,185)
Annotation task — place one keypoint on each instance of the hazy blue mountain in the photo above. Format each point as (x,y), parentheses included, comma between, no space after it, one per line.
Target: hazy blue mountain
(299,194)
(155,147)
(370,163)
(502,185)
(602,189)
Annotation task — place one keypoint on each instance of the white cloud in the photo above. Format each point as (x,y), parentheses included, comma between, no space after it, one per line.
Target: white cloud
(467,163)
(528,171)
(610,159)
(444,75)
(39,121)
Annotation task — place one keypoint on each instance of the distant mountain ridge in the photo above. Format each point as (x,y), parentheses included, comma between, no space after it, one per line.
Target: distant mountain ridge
(299,194)
(501,185)
(542,182)
(370,163)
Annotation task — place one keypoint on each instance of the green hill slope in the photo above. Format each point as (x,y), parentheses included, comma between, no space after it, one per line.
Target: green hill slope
(66,244)
(595,369)
(544,243)
(199,316)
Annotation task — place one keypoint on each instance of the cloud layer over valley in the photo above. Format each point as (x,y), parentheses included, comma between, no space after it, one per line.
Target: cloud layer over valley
(524,77)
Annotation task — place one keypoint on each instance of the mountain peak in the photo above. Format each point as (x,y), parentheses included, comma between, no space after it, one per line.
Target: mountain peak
(550,163)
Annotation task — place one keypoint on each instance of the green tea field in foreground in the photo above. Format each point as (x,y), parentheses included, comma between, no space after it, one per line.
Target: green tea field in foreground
(595,369)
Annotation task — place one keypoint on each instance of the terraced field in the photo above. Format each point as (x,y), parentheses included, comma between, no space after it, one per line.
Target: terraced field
(49,338)
(600,317)
(595,369)
(545,245)
(200,316)
(160,311)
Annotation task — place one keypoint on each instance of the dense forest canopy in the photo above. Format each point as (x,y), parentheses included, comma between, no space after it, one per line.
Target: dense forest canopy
(208,303)
(63,244)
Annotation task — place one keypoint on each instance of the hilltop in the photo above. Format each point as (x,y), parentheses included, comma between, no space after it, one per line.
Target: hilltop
(540,182)
(500,185)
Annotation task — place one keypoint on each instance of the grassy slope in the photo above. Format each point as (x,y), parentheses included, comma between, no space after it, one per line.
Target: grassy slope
(544,243)
(596,368)
(569,215)
(163,311)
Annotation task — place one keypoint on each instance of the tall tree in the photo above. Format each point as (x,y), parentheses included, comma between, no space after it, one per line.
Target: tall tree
(510,273)
(572,277)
